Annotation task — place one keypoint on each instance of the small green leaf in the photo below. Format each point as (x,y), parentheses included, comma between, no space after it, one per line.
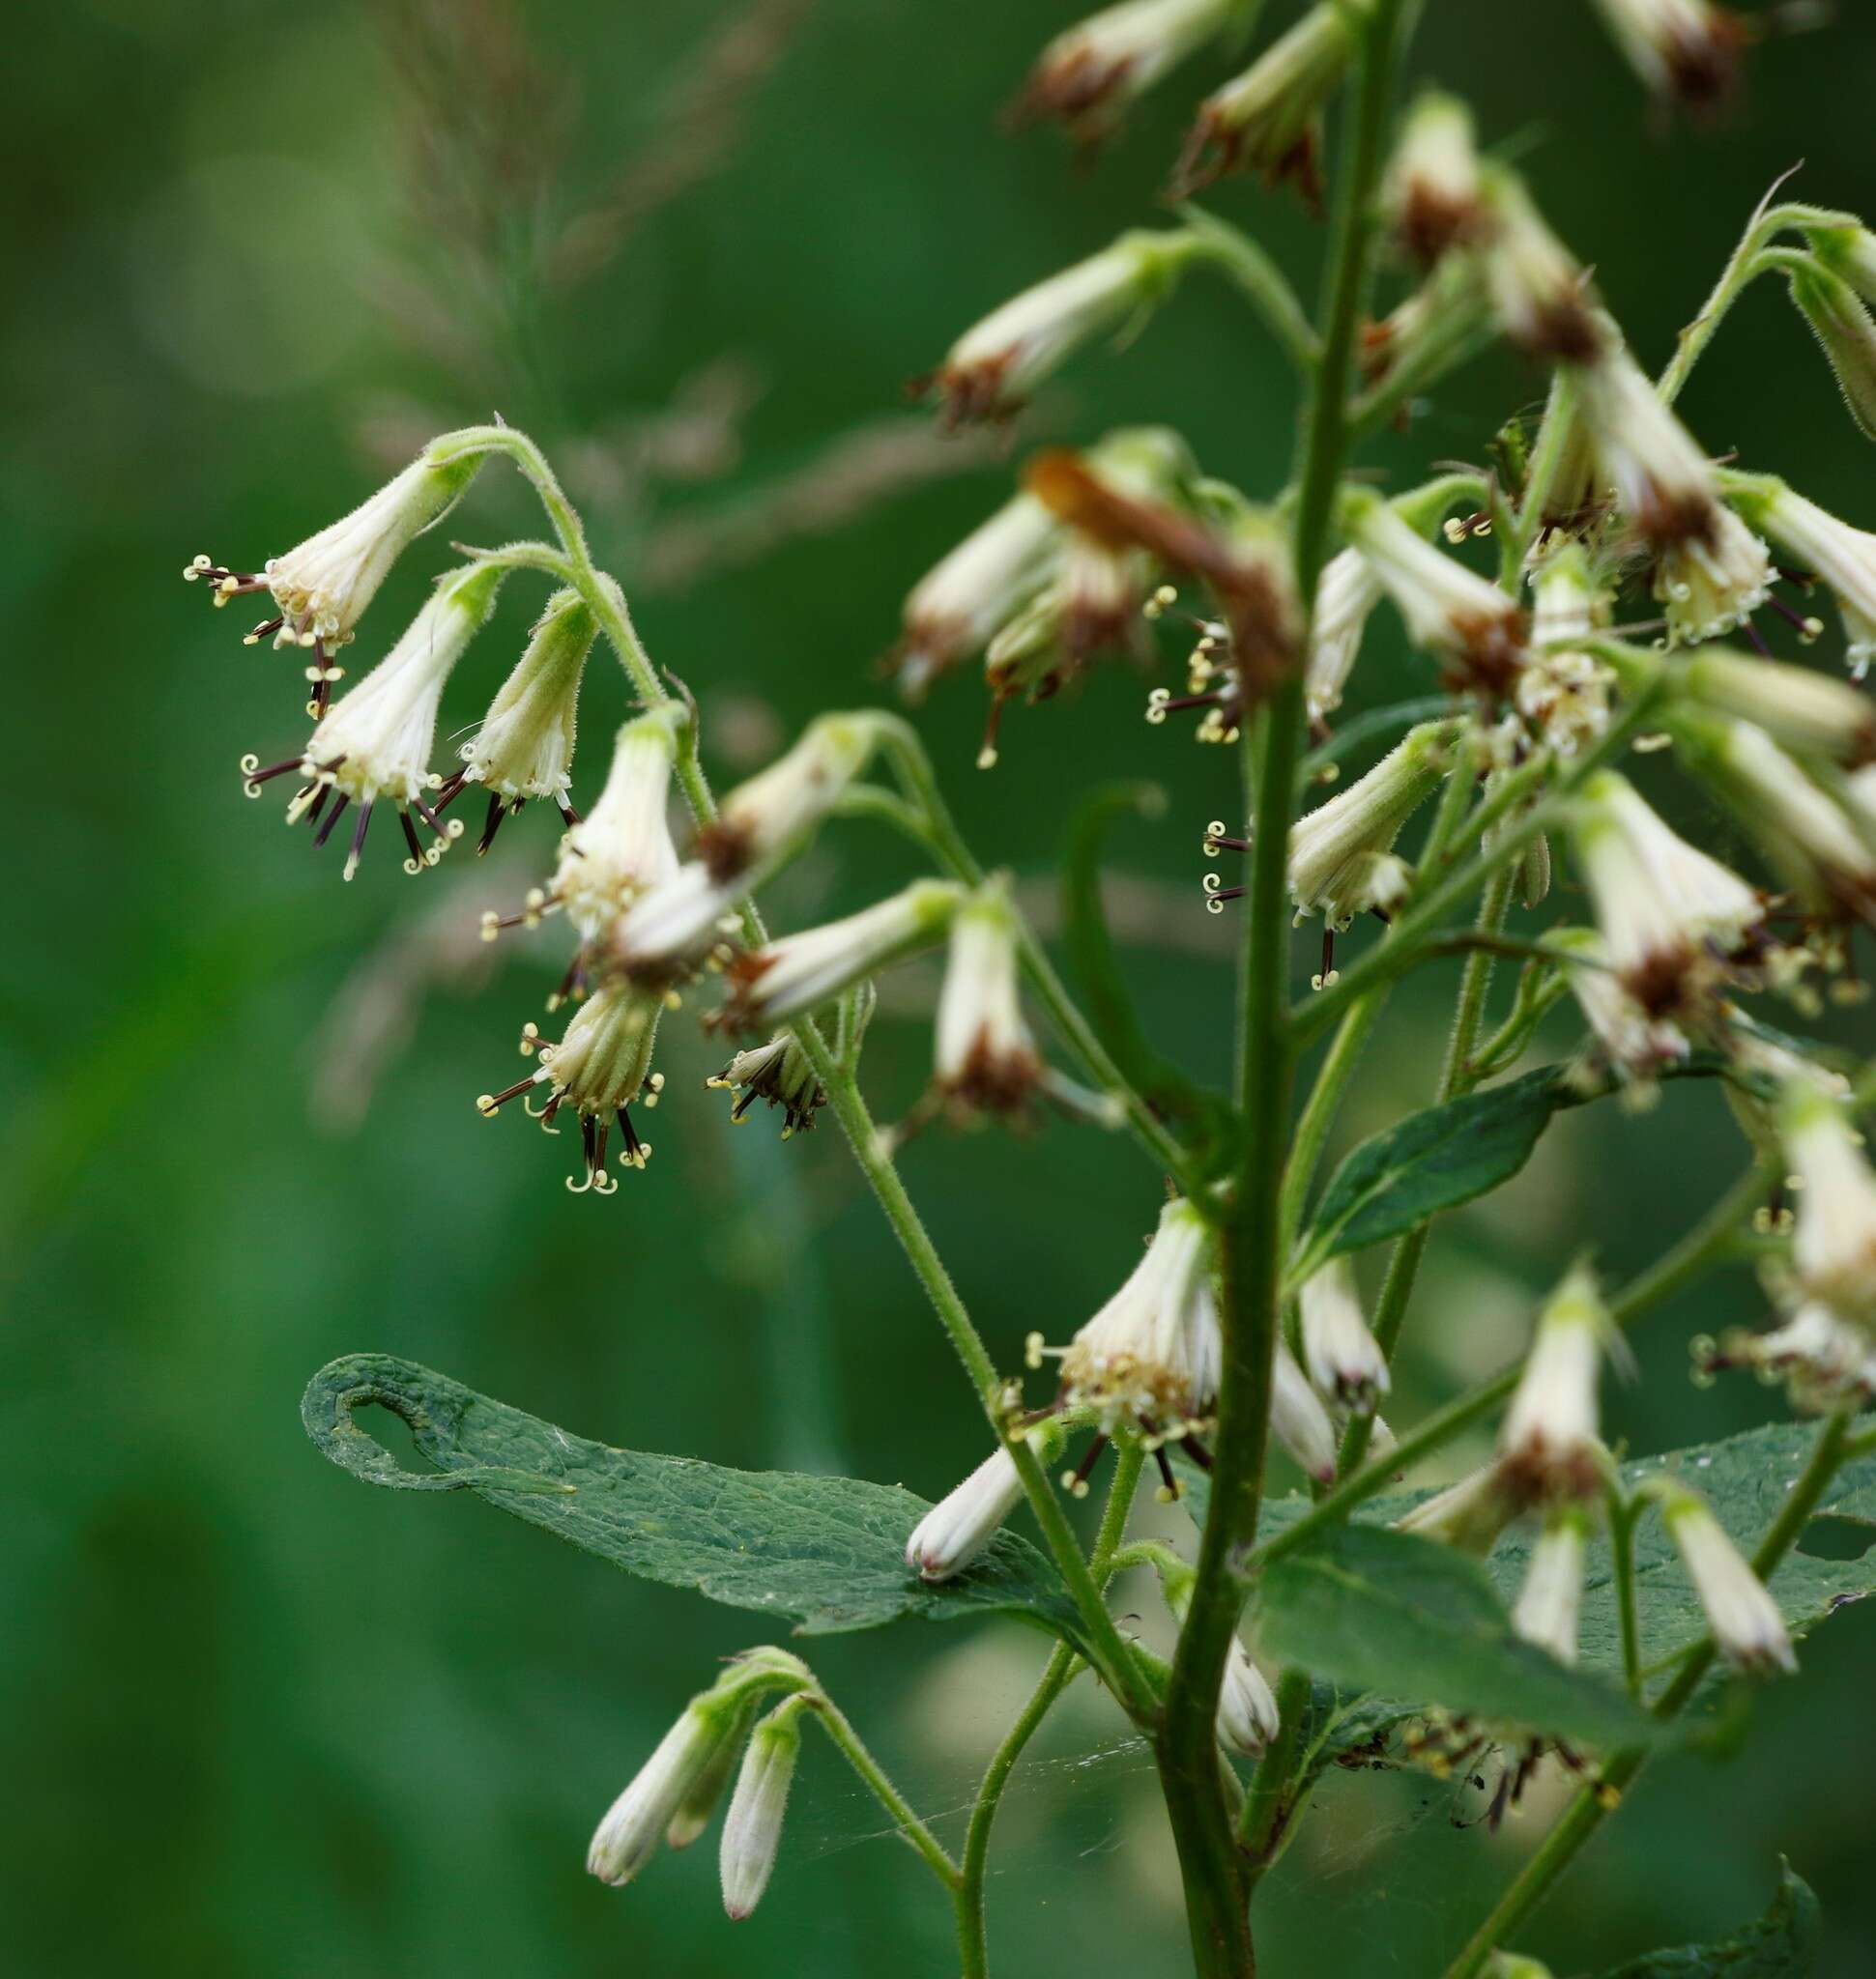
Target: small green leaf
(1783,1944)
(1432,1160)
(1403,1617)
(827,1554)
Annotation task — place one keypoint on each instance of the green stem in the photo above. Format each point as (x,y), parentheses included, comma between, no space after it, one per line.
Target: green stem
(1622,1549)
(840,1731)
(1546,460)
(1057,1674)
(1262,281)
(1251,1238)
(1588,1811)
(1265,1810)
(1676,1267)
(1456,1076)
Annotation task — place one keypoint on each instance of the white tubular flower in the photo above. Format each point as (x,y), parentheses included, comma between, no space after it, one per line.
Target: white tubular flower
(1089,75)
(1563,693)
(778,1072)
(994,367)
(1538,288)
(1451,611)
(959,1526)
(1298,1419)
(1833,1247)
(1710,584)
(955,610)
(322,588)
(1248,1718)
(668,926)
(1343,1358)
(762,821)
(752,1829)
(1345,595)
(1826,1364)
(375,743)
(635,1824)
(1470,1514)
(624,846)
(1432,190)
(1635,1047)
(600,1068)
(1340,858)
(1802,710)
(1547,1444)
(1152,1353)
(1828,548)
(1269,119)
(1844,332)
(1804,830)
(802,971)
(987,1059)
(1688,50)
(1747,1628)
(1660,903)
(1551,1602)
(524,747)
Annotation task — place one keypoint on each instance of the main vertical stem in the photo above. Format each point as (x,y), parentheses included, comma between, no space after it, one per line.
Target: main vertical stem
(1212,1868)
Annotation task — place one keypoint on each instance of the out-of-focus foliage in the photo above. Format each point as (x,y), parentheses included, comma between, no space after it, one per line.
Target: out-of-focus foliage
(260,1722)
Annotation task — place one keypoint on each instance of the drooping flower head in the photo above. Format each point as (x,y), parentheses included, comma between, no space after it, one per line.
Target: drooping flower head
(957,607)
(1343,1358)
(1299,1419)
(1563,695)
(1549,1604)
(1248,1718)
(374,744)
(1834,1245)
(524,748)
(1747,1628)
(1685,49)
(1635,1046)
(764,819)
(1151,1356)
(623,848)
(1432,192)
(779,1074)
(1089,74)
(1826,1364)
(999,363)
(986,1060)
(1842,557)
(1537,287)
(1804,711)
(1547,1444)
(599,1069)
(752,1829)
(1345,596)
(321,588)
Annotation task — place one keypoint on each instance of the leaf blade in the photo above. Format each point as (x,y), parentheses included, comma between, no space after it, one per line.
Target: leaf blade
(1782,1944)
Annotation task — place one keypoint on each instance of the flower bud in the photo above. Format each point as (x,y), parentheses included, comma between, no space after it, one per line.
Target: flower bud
(1845,334)
(997,364)
(1834,1245)
(1152,1353)
(1429,333)
(987,1059)
(959,1526)
(778,1072)
(1661,905)
(1298,1420)
(1849,253)
(1269,120)
(762,821)
(635,1824)
(1551,1602)
(752,1829)
(375,742)
(1343,1358)
(700,1803)
(1686,49)
(1451,611)
(625,848)
(799,972)
(1747,1628)
(1635,1047)
(1087,77)
(323,586)
(1537,287)
(1248,1718)
(1802,830)
(958,605)
(1843,557)
(1345,595)
(599,1067)
(524,747)
(1470,1514)
(1340,861)
(1547,1444)
(1801,709)
(1432,192)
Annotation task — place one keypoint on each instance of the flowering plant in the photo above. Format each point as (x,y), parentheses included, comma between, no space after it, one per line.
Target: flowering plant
(1428,1626)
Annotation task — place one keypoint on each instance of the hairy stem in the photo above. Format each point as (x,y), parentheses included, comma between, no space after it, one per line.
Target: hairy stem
(840,1731)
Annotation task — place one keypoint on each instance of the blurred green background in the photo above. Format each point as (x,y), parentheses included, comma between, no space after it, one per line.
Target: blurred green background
(259,1720)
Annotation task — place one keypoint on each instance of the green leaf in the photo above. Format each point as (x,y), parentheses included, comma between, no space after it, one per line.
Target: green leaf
(826,1553)
(1432,1160)
(1403,1617)
(1783,1944)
